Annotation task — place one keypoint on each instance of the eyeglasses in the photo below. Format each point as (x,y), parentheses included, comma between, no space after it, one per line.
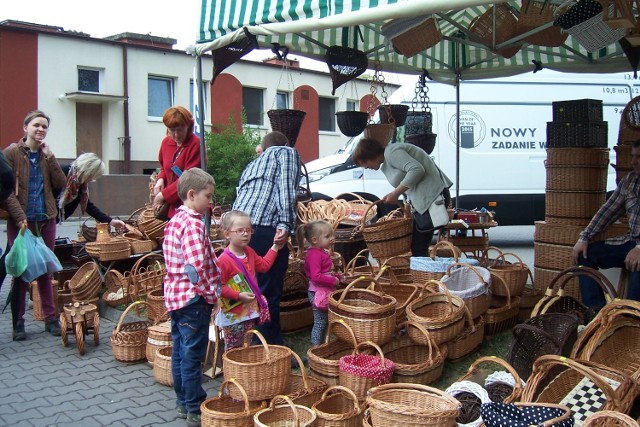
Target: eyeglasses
(243,231)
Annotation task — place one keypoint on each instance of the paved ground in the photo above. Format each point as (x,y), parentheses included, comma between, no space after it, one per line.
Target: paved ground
(43,383)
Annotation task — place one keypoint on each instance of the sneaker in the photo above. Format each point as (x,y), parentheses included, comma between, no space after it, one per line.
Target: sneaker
(182,412)
(53,327)
(19,333)
(193,420)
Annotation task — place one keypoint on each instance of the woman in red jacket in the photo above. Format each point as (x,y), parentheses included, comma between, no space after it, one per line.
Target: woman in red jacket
(179,151)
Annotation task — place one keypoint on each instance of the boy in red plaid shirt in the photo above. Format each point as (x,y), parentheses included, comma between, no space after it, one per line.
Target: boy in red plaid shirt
(189,290)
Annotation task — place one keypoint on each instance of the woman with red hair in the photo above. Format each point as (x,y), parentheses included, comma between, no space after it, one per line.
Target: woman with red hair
(179,151)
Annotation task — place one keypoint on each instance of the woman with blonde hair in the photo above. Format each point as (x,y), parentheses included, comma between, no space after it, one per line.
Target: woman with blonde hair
(179,151)
(86,168)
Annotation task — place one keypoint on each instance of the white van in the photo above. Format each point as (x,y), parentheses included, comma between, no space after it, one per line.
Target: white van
(502,141)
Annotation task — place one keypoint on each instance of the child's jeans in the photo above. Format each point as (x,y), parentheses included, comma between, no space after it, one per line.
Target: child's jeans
(320,323)
(190,334)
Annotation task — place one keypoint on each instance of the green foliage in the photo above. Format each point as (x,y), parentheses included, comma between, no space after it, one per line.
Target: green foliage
(228,153)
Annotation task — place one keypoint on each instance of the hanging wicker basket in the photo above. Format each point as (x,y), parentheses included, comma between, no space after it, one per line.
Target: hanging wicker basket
(426,141)
(288,122)
(418,122)
(413,35)
(534,14)
(345,64)
(380,132)
(395,114)
(352,123)
(482,28)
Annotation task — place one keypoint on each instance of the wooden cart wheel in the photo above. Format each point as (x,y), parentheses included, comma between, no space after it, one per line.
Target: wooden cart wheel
(96,329)
(79,337)
(63,330)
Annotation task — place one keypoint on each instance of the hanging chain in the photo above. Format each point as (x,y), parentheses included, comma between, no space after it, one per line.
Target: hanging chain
(421,95)
(286,69)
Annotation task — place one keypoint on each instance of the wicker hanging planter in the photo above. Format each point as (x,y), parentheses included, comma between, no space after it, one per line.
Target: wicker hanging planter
(380,132)
(395,114)
(418,122)
(345,64)
(288,122)
(231,53)
(352,123)
(426,141)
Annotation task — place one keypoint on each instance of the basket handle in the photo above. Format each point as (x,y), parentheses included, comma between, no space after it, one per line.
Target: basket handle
(303,371)
(126,311)
(471,267)
(419,387)
(569,273)
(356,196)
(454,250)
(351,285)
(335,389)
(539,368)
(287,399)
(411,323)
(495,276)
(245,398)
(376,347)
(525,327)
(502,256)
(364,216)
(427,288)
(255,332)
(517,389)
(341,322)
(468,319)
(558,10)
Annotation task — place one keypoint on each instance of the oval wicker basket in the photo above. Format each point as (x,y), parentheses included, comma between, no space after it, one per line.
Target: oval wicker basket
(542,277)
(609,419)
(303,389)
(158,336)
(288,414)
(324,359)
(479,376)
(576,178)
(158,312)
(360,372)
(389,236)
(469,283)
(224,411)
(534,14)
(86,282)
(484,30)
(338,407)
(270,363)
(109,250)
(553,257)
(162,366)
(514,274)
(503,311)
(469,339)
(567,234)
(129,340)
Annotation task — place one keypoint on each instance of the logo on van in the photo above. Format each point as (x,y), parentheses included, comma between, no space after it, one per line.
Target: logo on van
(472,129)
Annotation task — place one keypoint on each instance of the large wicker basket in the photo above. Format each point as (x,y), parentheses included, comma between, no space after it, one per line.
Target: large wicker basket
(262,370)
(284,415)
(411,405)
(390,235)
(338,407)
(224,411)
(324,359)
(303,389)
(129,340)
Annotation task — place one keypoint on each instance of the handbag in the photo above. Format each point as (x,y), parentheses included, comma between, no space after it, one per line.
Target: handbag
(433,218)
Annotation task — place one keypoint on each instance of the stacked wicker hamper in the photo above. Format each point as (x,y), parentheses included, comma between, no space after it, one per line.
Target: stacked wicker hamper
(577,161)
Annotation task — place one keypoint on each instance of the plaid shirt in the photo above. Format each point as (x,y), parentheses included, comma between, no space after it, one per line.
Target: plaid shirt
(625,199)
(267,190)
(184,244)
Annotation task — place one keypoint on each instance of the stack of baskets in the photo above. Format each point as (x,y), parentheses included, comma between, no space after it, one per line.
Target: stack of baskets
(85,284)
(577,161)
(295,310)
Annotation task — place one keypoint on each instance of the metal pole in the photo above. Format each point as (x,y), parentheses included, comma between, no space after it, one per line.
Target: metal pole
(203,144)
(457,140)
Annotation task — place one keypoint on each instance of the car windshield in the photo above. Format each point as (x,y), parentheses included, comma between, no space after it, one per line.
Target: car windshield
(349,146)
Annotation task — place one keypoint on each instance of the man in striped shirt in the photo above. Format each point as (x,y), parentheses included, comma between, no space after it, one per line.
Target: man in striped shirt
(267,193)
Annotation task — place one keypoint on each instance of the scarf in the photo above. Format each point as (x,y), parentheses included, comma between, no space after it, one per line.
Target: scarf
(72,189)
(262,303)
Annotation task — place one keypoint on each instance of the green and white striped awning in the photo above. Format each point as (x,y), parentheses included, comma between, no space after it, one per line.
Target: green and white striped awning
(309,27)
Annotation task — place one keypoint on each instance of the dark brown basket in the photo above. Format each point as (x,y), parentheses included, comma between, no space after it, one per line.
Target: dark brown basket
(231,53)
(578,110)
(352,123)
(426,141)
(395,114)
(577,134)
(288,122)
(552,333)
(345,64)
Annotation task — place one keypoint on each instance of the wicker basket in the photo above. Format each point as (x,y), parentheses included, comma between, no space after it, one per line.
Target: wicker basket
(338,407)
(577,134)
(514,274)
(86,282)
(545,334)
(553,257)
(566,234)
(287,415)
(623,156)
(569,376)
(395,114)
(594,33)
(147,274)
(471,284)
(288,122)
(480,376)
(576,178)
(389,236)
(113,249)
(358,206)
(224,411)
(158,336)
(371,315)
(543,277)
(411,405)
(578,157)
(414,363)
(425,141)
(37,303)
(352,123)
(570,204)
(298,315)
(421,277)
(129,340)
(116,288)
(303,389)
(442,314)
(503,311)
(534,14)
(577,110)
(482,29)
(412,35)
(324,359)
(359,266)
(155,299)
(270,363)
(471,397)
(380,132)
(469,340)
(162,366)
(345,64)
(609,419)
(359,372)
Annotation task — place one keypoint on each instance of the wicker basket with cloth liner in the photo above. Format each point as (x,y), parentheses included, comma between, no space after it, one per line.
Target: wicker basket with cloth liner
(371,315)
(492,365)
(270,363)
(442,314)
(612,338)
(471,396)
(585,387)
(471,284)
(530,414)
(411,405)
(129,340)
(324,359)
(338,407)
(360,372)
(224,411)
(410,36)
(390,235)
(414,363)
(283,415)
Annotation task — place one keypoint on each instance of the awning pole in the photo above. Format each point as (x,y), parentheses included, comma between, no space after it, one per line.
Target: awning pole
(457,140)
(203,144)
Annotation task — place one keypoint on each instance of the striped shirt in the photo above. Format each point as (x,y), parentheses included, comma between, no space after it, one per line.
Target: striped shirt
(625,199)
(185,244)
(267,190)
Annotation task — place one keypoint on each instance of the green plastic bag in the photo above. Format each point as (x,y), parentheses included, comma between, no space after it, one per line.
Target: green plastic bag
(17,260)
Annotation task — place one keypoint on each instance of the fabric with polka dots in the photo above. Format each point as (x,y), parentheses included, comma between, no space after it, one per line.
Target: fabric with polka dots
(510,415)
(580,12)
(368,366)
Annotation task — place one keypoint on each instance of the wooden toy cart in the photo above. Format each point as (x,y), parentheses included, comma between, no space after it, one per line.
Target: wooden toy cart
(81,318)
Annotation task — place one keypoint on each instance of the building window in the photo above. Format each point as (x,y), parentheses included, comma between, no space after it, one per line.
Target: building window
(88,80)
(352,105)
(282,100)
(327,113)
(252,102)
(192,101)
(160,96)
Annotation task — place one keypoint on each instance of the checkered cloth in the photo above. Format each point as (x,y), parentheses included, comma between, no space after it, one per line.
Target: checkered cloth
(586,398)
